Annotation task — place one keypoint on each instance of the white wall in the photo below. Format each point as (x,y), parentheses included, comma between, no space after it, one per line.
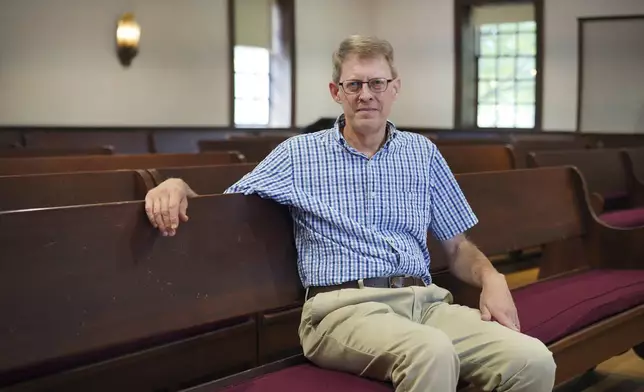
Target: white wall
(560,57)
(319,28)
(421,33)
(58,64)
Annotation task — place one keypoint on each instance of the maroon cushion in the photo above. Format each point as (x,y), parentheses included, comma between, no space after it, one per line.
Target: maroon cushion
(311,378)
(633,217)
(552,309)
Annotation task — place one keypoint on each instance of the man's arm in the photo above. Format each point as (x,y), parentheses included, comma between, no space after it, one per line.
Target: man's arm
(451,216)
(272,178)
(467,262)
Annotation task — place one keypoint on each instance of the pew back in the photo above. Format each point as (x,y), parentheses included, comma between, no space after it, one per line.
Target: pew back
(124,141)
(17,166)
(522,148)
(53,152)
(633,159)
(105,284)
(602,168)
(67,189)
(204,180)
(255,149)
(478,158)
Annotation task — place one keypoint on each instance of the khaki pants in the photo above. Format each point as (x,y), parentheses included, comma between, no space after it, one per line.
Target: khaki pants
(417,339)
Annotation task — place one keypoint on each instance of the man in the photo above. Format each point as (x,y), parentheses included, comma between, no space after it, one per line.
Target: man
(362,196)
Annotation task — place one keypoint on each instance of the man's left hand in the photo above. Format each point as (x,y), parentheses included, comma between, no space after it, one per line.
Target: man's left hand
(497,304)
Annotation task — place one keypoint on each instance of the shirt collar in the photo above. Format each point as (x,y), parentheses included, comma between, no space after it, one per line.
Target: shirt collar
(340,122)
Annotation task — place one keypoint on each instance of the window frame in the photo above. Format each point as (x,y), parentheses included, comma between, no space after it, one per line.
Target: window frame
(465,71)
(515,80)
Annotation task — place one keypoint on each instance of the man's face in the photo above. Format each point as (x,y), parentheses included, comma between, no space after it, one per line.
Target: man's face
(366,106)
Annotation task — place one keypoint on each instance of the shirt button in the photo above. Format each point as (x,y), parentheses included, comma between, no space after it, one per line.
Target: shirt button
(373,195)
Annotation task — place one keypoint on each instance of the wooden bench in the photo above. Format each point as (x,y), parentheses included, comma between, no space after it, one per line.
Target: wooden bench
(21,152)
(17,166)
(67,189)
(633,161)
(204,180)
(112,305)
(607,180)
(125,141)
(478,157)
(93,298)
(598,299)
(255,149)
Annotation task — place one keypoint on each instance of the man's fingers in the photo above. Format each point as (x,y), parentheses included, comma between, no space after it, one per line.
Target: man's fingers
(515,317)
(165,212)
(156,210)
(506,320)
(183,207)
(173,211)
(149,210)
(485,314)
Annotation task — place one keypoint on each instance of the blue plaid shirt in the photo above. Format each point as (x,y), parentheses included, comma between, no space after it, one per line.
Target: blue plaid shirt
(356,217)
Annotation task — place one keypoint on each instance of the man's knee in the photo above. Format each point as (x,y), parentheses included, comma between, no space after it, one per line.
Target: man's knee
(531,364)
(430,351)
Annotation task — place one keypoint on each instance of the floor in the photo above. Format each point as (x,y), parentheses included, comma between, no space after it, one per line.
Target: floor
(624,373)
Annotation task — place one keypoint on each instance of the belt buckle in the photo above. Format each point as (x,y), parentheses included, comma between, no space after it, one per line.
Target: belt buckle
(396,282)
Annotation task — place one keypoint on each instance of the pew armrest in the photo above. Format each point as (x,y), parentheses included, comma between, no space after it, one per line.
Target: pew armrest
(616,248)
(637,191)
(597,202)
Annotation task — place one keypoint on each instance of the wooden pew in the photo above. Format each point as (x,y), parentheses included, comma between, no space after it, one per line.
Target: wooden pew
(633,161)
(67,189)
(518,209)
(204,180)
(93,298)
(17,166)
(522,148)
(123,140)
(53,152)
(604,171)
(255,149)
(116,306)
(478,157)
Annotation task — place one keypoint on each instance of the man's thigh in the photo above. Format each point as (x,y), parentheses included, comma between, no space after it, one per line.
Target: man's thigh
(367,338)
(490,354)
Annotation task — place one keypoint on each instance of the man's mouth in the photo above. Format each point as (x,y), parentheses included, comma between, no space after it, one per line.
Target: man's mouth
(367,110)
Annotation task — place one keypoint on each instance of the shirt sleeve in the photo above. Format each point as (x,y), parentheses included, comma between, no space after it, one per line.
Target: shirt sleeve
(272,178)
(450,212)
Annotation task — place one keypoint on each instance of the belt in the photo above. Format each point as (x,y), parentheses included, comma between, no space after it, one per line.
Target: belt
(388,282)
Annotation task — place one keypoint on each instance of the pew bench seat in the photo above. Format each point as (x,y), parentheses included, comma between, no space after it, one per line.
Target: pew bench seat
(626,219)
(553,309)
(549,310)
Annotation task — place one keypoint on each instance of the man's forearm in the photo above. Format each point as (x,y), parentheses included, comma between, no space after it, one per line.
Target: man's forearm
(470,265)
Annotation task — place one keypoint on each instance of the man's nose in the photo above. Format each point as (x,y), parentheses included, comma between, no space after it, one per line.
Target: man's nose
(365,93)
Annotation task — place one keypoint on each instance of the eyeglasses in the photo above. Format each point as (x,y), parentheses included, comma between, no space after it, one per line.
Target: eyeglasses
(376,85)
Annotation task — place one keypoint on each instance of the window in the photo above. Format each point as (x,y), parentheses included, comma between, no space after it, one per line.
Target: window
(506,75)
(252,86)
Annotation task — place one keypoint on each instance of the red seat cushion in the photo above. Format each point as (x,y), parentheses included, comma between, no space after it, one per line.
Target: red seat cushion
(311,378)
(552,309)
(633,217)
(549,310)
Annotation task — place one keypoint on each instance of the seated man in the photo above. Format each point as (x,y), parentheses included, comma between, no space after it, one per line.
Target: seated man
(363,196)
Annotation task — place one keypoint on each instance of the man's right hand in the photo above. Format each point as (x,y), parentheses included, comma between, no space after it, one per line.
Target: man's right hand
(166,204)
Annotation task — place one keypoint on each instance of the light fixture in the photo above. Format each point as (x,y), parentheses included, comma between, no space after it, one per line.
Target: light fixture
(128,34)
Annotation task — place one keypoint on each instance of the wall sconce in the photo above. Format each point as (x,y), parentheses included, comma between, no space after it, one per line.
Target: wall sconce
(128,34)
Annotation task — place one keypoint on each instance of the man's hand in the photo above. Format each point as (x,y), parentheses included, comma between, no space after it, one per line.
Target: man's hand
(496,302)
(166,204)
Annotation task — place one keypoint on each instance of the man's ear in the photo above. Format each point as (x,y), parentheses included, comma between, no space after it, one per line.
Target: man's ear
(334,89)
(396,86)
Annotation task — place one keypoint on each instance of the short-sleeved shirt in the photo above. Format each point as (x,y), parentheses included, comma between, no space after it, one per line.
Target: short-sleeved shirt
(357,217)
